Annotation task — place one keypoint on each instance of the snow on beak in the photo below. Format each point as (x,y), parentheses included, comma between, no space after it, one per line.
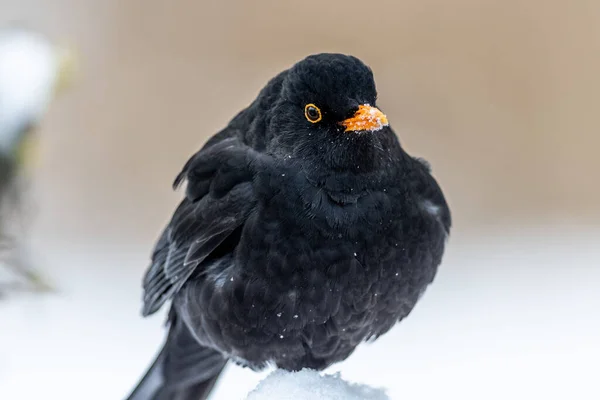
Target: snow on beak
(366,118)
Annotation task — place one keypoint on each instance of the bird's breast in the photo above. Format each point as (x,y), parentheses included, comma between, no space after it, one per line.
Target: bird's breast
(310,279)
(301,303)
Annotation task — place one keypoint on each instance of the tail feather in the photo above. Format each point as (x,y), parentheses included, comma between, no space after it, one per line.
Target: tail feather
(199,391)
(183,370)
(152,381)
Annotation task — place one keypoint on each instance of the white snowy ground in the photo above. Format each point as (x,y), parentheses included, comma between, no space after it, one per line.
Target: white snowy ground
(310,385)
(512,315)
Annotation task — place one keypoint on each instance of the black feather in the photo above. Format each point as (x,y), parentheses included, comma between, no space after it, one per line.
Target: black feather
(297,240)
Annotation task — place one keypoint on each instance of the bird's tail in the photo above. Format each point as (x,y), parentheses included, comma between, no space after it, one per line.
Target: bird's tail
(183,370)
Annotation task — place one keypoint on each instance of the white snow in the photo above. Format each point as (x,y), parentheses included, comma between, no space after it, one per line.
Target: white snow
(28,67)
(374,116)
(310,385)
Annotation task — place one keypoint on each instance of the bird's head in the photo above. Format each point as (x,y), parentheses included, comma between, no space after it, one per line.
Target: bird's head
(325,114)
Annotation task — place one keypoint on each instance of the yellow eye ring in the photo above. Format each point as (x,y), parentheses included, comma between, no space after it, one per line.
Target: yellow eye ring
(312,113)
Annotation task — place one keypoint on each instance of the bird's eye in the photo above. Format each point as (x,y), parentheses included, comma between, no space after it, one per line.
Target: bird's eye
(312,113)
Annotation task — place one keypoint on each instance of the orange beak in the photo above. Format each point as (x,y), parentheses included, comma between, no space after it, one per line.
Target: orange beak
(367,118)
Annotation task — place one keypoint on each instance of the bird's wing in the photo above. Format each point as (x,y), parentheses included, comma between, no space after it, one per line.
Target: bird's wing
(430,193)
(219,199)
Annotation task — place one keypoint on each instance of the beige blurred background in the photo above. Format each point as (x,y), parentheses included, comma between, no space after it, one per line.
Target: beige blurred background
(501,96)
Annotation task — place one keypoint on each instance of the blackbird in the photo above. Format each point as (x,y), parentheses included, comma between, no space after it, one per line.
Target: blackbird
(305,230)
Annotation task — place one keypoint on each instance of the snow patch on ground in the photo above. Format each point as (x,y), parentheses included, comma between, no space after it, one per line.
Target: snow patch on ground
(310,385)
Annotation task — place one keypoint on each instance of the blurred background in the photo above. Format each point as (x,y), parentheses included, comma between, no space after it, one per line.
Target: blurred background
(501,96)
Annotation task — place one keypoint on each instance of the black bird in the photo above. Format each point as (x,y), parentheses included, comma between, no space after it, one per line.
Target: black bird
(306,229)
